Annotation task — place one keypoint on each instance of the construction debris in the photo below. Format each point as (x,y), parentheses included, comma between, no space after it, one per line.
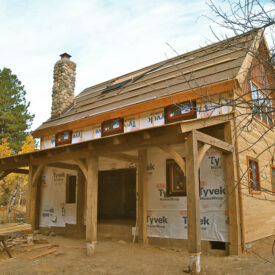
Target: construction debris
(43,254)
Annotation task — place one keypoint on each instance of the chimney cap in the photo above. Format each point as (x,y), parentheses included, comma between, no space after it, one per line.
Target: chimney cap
(65,55)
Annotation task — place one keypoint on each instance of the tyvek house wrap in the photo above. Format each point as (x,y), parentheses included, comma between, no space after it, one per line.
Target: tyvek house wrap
(167,216)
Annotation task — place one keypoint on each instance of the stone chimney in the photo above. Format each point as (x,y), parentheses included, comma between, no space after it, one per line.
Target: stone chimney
(63,85)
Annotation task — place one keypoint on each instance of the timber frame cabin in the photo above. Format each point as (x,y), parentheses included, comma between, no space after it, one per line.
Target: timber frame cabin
(184,141)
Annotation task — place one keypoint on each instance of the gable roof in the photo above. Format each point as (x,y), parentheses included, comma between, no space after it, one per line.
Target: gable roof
(205,66)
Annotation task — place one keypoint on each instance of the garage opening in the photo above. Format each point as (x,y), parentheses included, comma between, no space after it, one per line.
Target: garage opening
(117,196)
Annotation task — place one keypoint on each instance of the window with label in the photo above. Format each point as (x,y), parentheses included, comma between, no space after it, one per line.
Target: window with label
(112,126)
(175,179)
(71,189)
(253,175)
(261,105)
(180,111)
(63,138)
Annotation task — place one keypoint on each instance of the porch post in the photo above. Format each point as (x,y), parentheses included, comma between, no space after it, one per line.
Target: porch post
(34,196)
(142,196)
(92,194)
(232,195)
(80,202)
(193,201)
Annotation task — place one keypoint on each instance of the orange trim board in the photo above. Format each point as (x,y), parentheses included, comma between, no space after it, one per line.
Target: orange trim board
(217,88)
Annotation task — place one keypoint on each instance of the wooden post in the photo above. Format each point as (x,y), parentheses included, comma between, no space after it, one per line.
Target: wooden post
(92,194)
(142,195)
(33,215)
(193,201)
(232,195)
(80,202)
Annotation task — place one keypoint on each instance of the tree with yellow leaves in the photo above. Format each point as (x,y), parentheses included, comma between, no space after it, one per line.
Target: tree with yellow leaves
(14,184)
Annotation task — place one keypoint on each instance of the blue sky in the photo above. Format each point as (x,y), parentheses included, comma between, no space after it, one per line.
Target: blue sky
(106,39)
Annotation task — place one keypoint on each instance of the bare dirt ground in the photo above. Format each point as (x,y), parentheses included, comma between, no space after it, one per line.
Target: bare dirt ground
(118,257)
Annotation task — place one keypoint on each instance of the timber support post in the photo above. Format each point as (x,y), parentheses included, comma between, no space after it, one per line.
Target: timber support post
(193,201)
(34,195)
(92,195)
(80,202)
(232,194)
(142,196)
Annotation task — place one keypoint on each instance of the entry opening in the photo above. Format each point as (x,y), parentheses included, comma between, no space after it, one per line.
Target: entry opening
(218,245)
(117,196)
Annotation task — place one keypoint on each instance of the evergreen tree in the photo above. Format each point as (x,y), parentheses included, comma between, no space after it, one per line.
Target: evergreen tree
(15,119)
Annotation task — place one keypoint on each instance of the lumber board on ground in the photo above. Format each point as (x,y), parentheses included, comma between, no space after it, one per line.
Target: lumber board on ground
(43,254)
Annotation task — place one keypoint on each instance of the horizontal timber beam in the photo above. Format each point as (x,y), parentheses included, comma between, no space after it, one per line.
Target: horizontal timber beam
(103,147)
(63,165)
(121,156)
(196,124)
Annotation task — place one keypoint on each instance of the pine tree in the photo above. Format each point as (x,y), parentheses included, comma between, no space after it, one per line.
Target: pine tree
(15,119)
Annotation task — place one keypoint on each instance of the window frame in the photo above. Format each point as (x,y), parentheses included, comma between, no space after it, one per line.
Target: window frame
(64,141)
(189,115)
(170,192)
(67,191)
(251,189)
(262,109)
(112,131)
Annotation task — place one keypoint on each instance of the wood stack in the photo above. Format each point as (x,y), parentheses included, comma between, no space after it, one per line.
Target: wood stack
(10,228)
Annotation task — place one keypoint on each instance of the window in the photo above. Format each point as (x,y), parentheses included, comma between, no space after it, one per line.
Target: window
(253,175)
(112,126)
(273,179)
(261,105)
(180,111)
(175,179)
(63,138)
(71,189)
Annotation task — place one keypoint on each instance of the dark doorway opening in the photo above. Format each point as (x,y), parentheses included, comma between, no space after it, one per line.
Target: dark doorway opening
(218,245)
(117,196)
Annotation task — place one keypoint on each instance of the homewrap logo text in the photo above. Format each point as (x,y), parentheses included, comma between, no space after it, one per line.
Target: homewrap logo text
(212,193)
(158,222)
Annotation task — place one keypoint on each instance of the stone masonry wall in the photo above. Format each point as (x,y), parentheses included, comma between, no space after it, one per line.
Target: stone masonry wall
(63,85)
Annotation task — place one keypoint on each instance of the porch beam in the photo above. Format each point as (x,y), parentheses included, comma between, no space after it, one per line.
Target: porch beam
(92,195)
(188,126)
(121,156)
(62,156)
(63,165)
(193,199)
(214,142)
(16,171)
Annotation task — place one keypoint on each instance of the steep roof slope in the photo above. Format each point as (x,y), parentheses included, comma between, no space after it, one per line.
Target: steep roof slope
(208,65)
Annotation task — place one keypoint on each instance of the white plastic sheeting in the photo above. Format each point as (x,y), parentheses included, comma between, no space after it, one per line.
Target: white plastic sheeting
(167,216)
(54,210)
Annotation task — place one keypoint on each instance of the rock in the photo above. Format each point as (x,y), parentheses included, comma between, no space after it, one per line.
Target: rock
(122,242)
(52,234)
(36,232)
(58,253)
(46,233)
